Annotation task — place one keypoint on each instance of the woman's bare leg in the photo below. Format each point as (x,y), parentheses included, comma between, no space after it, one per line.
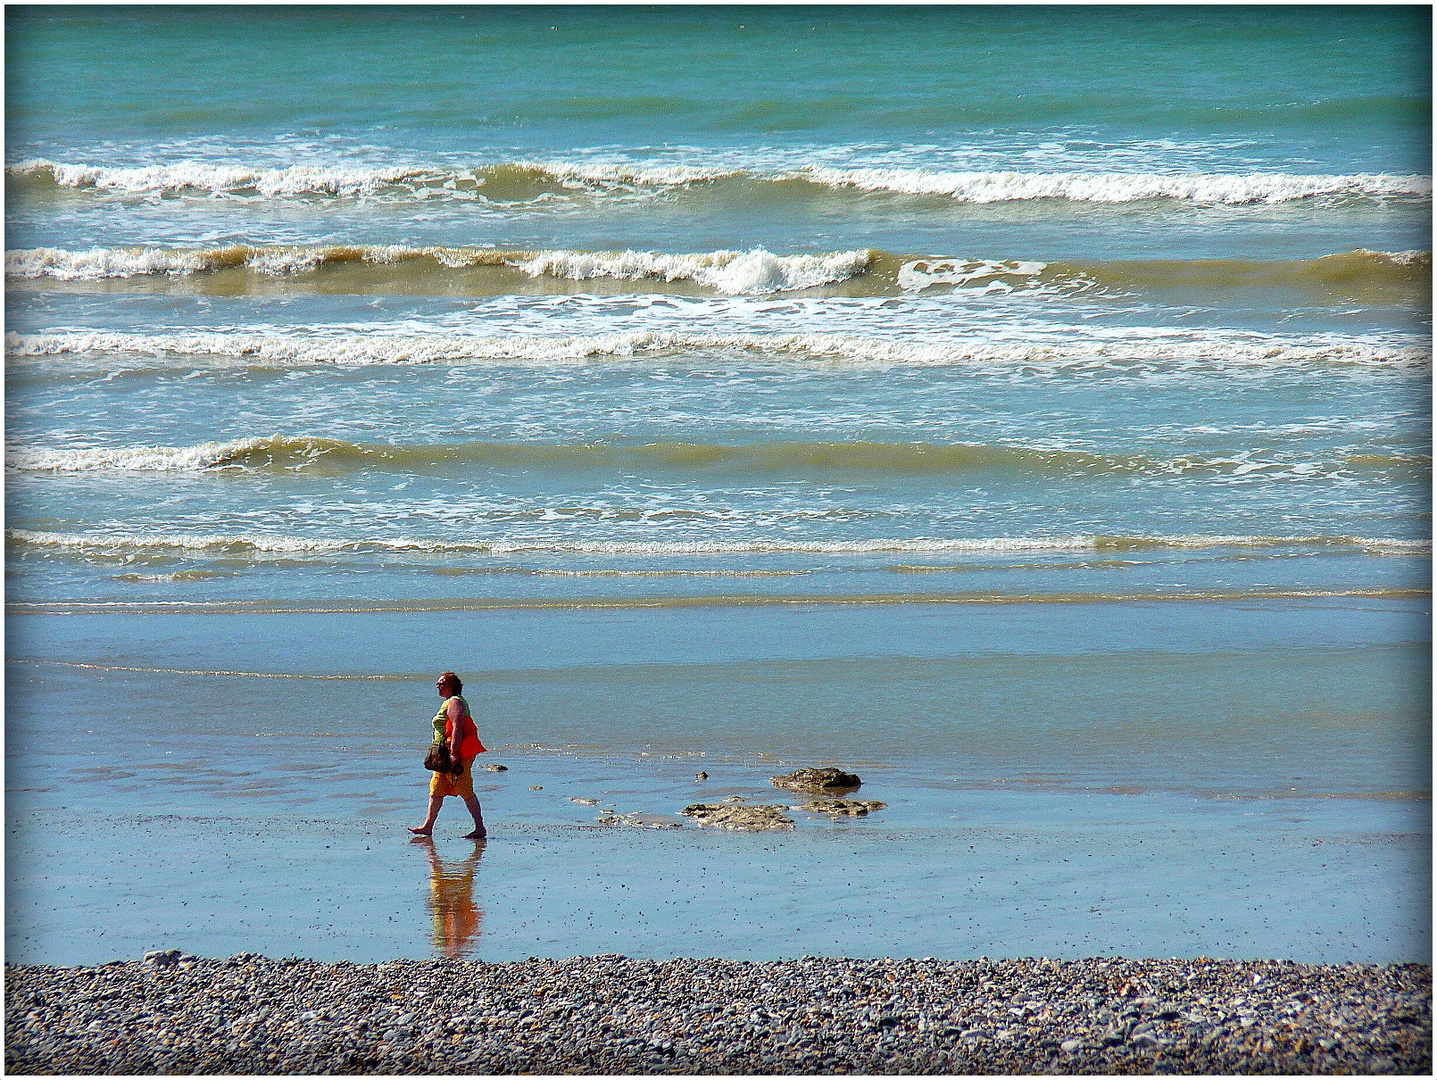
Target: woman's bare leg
(435,802)
(477,814)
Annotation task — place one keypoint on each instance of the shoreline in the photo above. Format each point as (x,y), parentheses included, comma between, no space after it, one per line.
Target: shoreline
(613,1015)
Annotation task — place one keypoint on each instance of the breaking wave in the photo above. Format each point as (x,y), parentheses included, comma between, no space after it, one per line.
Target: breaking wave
(727,272)
(279,544)
(522,181)
(1202,350)
(1230,189)
(298,452)
(337,456)
(1373,276)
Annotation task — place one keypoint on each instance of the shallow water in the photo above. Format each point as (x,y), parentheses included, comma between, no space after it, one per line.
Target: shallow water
(723,390)
(1202,774)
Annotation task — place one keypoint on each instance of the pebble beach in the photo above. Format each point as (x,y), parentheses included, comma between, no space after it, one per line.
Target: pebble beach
(614,1015)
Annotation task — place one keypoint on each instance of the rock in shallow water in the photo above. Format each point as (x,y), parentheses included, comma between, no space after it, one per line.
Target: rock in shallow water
(825,781)
(641,819)
(851,807)
(732,816)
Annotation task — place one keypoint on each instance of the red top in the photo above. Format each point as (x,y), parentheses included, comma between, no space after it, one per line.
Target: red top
(469,744)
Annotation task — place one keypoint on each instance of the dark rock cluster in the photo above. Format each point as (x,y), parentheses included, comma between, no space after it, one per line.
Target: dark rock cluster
(826,781)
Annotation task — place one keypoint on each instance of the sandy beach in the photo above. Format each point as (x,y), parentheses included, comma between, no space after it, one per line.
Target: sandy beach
(613,1015)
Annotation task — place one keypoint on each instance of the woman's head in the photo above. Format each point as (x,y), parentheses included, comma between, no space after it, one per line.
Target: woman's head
(449,684)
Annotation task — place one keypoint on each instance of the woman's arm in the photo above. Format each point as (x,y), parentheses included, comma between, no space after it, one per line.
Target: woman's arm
(455,714)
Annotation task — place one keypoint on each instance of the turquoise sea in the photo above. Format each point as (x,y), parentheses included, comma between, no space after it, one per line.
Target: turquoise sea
(1026,408)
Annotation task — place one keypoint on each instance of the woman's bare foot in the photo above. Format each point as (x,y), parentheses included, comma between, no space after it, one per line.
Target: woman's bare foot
(477,834)
(420,830)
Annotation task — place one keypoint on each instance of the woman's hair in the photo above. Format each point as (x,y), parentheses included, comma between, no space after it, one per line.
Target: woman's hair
(458,682)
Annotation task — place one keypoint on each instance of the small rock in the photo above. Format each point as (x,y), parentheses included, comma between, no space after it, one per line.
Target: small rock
(851,807)
(497,768)
(728,816)
(583,802)
(1071,1046)
(163,957)
(536,787)
(734,799)
(641,820)
(701,776)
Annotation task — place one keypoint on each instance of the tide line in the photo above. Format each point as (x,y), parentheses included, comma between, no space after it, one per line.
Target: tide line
(203,671)
(259,607)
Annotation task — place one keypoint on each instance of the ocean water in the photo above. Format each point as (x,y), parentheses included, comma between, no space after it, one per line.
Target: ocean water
(1026,408)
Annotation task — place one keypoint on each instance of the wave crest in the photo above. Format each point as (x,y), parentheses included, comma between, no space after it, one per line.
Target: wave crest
(231,454)
(527,180)
(1204,351)
(732,273)
(258,543)
(1355,276)
(1230,189)
(304,452)
(335,456)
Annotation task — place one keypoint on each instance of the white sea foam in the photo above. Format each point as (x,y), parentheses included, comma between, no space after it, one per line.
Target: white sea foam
(732,272)
(627,174)
(213,178)
(415,182)
(285,544)
(1205,350)
(207,455)
(1398,258)
(1237,188)
(919,274)
(301,180)
(99,263)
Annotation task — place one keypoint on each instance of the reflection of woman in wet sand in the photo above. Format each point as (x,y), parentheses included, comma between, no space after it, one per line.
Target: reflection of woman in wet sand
(454,724)
(451,901)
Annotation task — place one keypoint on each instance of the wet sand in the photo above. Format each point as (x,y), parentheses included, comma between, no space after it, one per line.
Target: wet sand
(613,1015)
(1007,875)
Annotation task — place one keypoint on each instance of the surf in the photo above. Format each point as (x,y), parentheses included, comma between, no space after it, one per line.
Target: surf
(1118,350)
(521,181)
(1362,275)
(334,457)
(262,544)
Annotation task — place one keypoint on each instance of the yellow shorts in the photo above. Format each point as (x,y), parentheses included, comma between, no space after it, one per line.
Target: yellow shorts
(445,784)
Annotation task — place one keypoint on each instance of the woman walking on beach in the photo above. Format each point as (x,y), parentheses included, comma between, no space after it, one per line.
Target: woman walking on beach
(454,724)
